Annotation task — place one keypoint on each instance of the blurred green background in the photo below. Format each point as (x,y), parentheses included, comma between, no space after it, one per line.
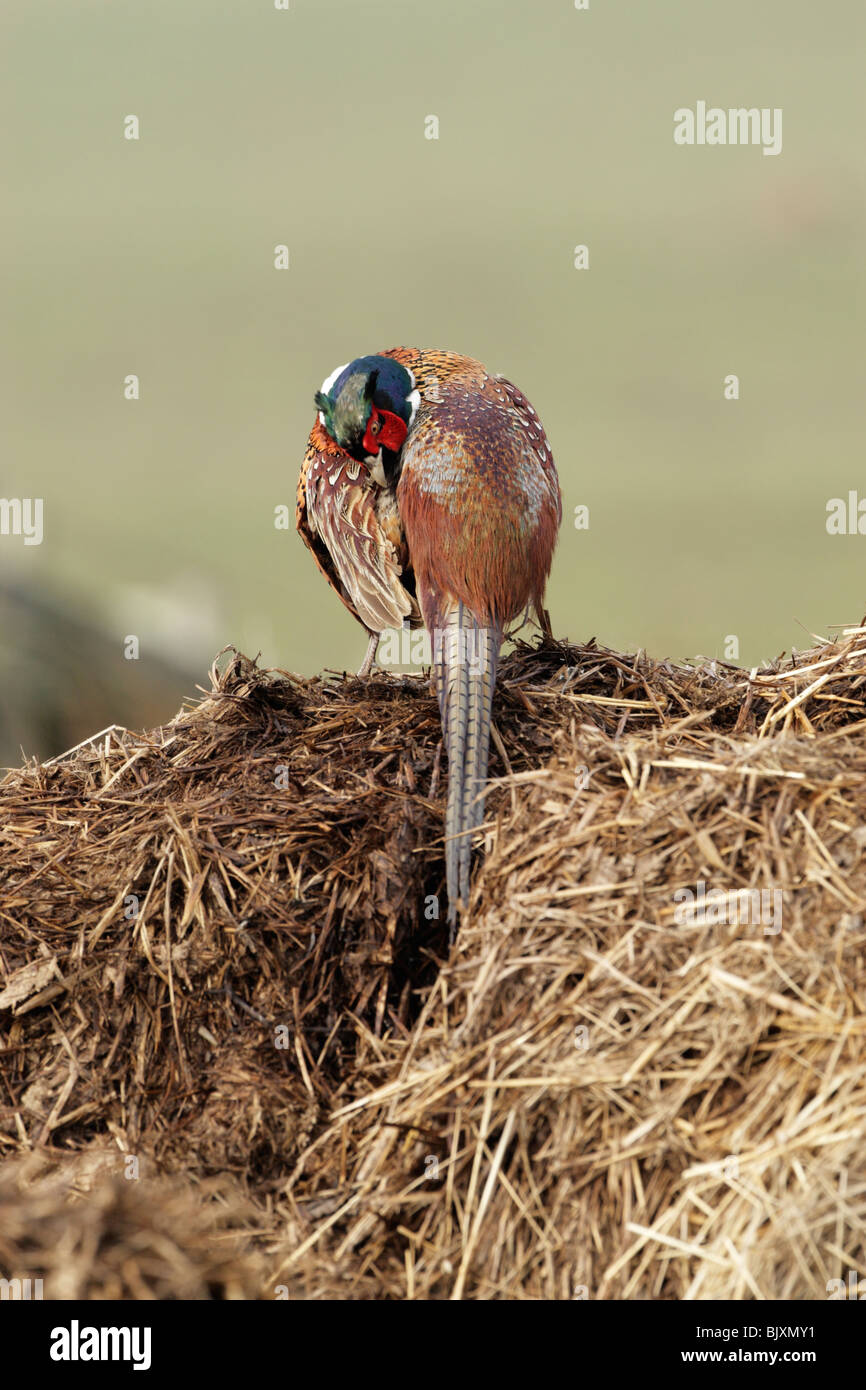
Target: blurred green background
(306,127)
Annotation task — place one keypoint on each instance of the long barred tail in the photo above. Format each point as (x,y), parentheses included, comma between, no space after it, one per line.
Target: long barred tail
(465,655)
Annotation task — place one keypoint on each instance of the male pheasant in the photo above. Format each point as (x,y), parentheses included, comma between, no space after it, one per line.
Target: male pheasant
(428,493)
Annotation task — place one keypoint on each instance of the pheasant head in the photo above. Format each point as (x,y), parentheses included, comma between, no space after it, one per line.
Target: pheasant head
(367,407)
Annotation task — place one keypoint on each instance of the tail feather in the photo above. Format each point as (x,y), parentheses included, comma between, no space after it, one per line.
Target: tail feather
(466,653)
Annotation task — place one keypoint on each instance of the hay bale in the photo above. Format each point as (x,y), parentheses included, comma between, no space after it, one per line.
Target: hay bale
(218,954)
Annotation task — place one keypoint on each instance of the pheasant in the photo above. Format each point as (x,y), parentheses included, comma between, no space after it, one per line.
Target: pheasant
(428,494)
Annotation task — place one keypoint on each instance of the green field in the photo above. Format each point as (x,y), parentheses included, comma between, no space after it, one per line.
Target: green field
(306,127)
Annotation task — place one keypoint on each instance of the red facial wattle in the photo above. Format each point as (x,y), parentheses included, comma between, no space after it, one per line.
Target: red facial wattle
(390,433)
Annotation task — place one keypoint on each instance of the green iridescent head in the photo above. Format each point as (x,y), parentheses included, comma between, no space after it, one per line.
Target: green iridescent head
(368,405)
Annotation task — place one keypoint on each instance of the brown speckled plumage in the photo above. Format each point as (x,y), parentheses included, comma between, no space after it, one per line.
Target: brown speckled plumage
(353,529)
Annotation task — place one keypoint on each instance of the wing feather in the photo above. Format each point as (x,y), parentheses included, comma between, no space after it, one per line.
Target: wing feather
(343,517)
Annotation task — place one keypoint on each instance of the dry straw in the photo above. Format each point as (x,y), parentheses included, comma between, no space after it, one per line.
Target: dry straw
(236,1059)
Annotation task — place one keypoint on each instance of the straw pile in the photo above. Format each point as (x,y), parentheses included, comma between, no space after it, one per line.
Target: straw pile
(238,1060)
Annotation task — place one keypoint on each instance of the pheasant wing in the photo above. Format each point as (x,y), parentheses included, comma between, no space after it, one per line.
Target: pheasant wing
(338,518)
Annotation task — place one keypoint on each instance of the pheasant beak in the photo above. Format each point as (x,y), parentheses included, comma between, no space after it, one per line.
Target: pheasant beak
(390,431)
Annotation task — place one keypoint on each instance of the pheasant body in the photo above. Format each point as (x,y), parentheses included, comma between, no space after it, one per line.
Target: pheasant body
(456,526)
